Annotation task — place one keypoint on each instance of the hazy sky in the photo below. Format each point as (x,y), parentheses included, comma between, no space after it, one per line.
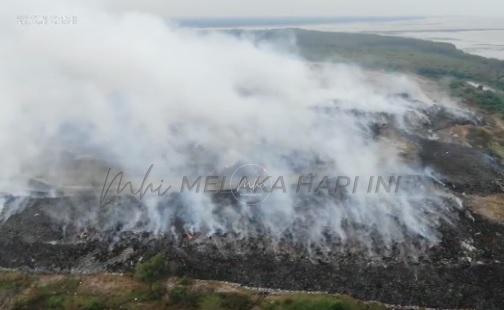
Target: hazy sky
(313,7)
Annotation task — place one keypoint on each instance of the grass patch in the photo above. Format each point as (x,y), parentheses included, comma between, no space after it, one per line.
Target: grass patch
(184,297)
(88,303)
(236,301)
(229,301)
(68,293)
(318,302)
(52,296)
(15,282)
(153,292)
(211,302)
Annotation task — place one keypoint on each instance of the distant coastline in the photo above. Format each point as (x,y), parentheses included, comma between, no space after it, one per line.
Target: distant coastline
(474,35)
(244,22)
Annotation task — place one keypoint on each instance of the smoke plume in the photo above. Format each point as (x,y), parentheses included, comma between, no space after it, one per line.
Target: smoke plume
(129,90)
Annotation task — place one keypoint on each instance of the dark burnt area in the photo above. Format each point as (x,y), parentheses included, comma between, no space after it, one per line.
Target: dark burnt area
(447,275)
(465,270)
(463,169)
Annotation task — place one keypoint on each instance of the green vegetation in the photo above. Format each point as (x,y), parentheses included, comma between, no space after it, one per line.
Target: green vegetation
(433,60)
(307,304)
(152,269)
(184,298)
(319,302)
(131,292)
(15,282)
(55,295)
(211,302)
(491,100)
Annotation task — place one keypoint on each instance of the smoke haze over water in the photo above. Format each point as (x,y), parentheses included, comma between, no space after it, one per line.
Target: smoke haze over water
(127,90)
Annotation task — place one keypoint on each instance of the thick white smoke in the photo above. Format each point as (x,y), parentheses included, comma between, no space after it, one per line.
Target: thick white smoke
(129,90)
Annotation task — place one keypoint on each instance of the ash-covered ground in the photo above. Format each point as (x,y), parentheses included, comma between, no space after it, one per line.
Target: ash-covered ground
(463,269)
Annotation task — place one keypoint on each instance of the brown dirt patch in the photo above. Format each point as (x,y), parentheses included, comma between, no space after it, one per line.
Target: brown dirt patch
(490,207)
